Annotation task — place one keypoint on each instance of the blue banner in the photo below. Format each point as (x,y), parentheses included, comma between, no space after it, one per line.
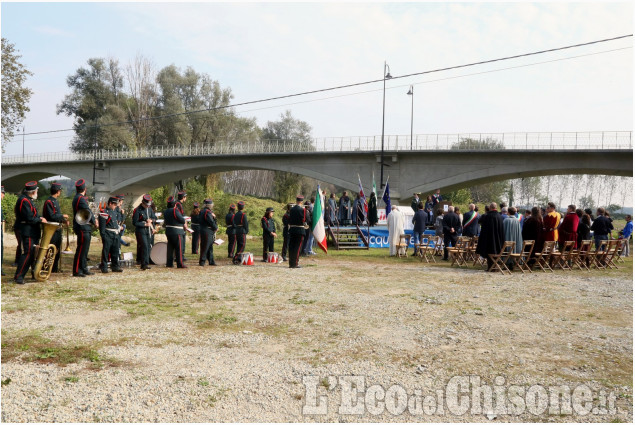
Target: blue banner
(378,237)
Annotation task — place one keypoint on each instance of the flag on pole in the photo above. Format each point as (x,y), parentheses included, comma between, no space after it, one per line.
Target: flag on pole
(317,226)
(386,198)
(374,185)
(362,196)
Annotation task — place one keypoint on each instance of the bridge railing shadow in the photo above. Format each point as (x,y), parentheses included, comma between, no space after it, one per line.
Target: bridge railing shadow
(600,140)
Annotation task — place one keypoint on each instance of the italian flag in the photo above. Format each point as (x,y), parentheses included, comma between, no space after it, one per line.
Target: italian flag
(317,226)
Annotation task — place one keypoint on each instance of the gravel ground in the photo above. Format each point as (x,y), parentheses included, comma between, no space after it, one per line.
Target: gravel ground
(234,343)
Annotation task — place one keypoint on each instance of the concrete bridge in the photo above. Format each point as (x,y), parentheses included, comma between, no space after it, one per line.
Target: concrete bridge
(421,165)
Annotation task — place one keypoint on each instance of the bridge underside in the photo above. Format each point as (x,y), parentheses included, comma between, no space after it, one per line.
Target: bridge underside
(408,172)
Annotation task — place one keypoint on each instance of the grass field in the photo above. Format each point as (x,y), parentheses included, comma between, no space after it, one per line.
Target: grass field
(349,312)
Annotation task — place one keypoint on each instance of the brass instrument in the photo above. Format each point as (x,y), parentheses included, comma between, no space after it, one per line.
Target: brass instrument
(83,217)
(45,253)
(67,250)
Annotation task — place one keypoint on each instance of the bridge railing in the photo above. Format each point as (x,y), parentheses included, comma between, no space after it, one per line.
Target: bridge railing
(606,140)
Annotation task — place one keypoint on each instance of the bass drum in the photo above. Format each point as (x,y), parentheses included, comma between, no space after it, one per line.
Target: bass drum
(159,253)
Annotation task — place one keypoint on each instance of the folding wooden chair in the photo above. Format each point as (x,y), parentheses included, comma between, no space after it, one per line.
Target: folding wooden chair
(612,253)
(402,246)
(471,254)
(438,246)
(562,258)
(426,251)
(580,257)
(457,253)
(501,258)
(521,259)
(599,255)
(543,258)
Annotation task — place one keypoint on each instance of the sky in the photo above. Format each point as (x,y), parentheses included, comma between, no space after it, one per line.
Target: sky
(263,50)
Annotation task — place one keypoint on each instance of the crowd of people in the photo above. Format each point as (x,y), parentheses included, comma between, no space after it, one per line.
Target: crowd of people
(510,224)
(493,227)
(109,220)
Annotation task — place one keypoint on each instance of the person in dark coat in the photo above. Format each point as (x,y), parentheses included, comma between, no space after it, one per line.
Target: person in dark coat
(142,222)
(372,210)
(28,220)
(83,231)
(285,232)
(533,230)
(241,224)
(109,229)
(419,225)
(208,228)
(268,233)
(231,231)
(584,227)
(297,222)
(196,226)
(174,231)
(53,213)
(470,222)
(492,234)
(451,230)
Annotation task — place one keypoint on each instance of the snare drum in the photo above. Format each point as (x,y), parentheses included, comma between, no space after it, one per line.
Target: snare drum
(272,257)
(159,253)
(247,259)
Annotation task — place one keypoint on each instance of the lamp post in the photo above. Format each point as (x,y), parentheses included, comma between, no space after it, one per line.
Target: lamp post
(386,76)
(411,92)
(23,131)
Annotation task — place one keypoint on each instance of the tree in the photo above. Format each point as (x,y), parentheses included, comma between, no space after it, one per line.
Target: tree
(287,185)
(613,208)
(15,94)
(488,192)
(586,202)
(97,102)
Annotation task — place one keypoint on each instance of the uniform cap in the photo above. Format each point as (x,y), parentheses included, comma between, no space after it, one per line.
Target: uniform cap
(241,204)
(270,209)
(80,184)
(170,199)
(181,195)
(122,197)
(208,201)
(232,207)
(147,199)
(299,198)
(32,185)
(113,200)
(56,186)
(195,204)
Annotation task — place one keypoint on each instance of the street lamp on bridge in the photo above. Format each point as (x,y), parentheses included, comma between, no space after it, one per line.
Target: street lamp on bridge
(386,76)
(411,92)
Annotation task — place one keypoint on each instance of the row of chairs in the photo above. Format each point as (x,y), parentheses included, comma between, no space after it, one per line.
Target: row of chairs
(548,259)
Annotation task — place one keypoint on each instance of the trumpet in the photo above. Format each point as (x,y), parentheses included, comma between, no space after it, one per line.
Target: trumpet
(67,250)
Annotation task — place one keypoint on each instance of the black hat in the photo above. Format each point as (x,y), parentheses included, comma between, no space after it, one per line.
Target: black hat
(80,185)
(181,195)
(147,199)
(195,204)
(29,186)
(208,201)
(122,197)
(241,204)
(232,207)
(299,198)
(56,186)
(113,200)
(270,209)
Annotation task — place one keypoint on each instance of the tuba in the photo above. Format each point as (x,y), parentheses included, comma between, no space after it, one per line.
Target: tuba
(45,253)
